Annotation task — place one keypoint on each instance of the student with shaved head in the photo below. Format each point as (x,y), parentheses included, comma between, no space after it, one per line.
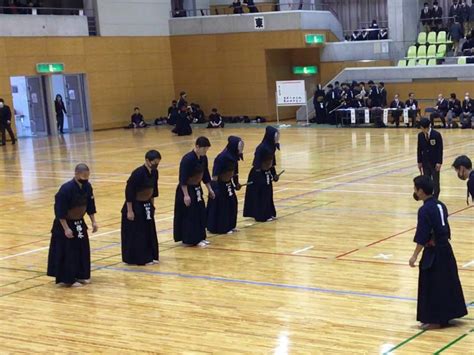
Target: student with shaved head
(69,251)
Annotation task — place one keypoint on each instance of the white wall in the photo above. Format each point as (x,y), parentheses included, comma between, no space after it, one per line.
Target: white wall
(133,17)
(42,25)
(20,107)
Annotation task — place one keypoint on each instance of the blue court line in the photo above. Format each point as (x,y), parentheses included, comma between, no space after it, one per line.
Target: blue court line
(258,283)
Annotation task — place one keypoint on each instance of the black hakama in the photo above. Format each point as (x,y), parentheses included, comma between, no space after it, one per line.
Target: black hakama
(189,225)
(139,237)
(222,210)
(440,295)
(259,196)
(69,260)
(183,126)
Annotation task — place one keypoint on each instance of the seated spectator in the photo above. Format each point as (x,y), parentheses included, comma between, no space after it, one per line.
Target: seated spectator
(215,120)
(457,33)
(467,114)
(356,36)
(412,105)
(197,114)
(179,12)
(455,109)
(137,119)
(425,17)
(468,46)
(237,7)
(383,34)
(173,113)
(251,6)
(397,107)
(373,31)
(440,110)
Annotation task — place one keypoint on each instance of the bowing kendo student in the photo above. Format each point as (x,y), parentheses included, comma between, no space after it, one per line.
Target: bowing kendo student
(189,206)
(397,106)
(463,167)
(259,194)
(440,110)
(139,238)
(183,124)
(430,153)
(215,119)
(319,105)
(440,295)
(69,259)
(222,210)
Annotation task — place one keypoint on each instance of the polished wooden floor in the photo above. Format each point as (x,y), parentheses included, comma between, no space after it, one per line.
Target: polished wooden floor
(330,276)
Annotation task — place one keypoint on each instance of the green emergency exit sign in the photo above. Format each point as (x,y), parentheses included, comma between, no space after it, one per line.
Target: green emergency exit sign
(305,70)
(47,68)
(315,38)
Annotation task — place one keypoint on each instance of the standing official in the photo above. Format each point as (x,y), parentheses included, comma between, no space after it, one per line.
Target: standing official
(6,122)
(69,259)
(430,153)
(139,238)
(440,295)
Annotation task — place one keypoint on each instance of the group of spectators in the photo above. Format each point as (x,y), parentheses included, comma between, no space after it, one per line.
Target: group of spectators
(340,98)
(18,7)
(372,33)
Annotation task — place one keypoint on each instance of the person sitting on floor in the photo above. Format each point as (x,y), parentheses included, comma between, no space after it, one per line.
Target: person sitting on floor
(137,119)
(215,120)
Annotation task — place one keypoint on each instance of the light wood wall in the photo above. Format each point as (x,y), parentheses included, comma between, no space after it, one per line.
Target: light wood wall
(121,72)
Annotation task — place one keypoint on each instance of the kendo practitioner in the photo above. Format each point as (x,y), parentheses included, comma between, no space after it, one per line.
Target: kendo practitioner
(412,105)
(222,210)
(332,102)
(189,206)
(183,125)
(430,153)
(463,167)
(197,114)
(440,110)
(215,120)
(137,120)
(69,259)
(173,113)
(6,123)
(319,105)
(139,238)
(259,195)
(440,295)
(182,101)
(397,107)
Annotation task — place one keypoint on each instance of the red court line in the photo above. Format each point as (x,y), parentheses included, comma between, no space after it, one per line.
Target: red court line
(393,235)
(366,261)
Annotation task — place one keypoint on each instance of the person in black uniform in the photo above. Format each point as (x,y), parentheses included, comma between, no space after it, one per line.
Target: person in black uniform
(383,94)
(139,238)
(455,109)
(440,295)
(426,16)
(6,123)
(197,114)
(251,6)
(437,13)
(189,206)
(222,210)
(137,120)
(463,167)
(319,105)
(440,110)
(332,102)
(259,195)
(430,153)
(69,250)
(183,124)
(375,104)
(412,105)
(182,100)
(60,110)
(237,7)
(398,107)
(215,120)
(467,114)
(173,113)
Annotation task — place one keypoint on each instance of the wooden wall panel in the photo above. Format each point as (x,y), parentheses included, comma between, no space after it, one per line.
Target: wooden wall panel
(121,72)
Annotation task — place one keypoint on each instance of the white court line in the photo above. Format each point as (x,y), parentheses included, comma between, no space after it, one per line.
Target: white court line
(384,165)
(469,264)
(281,190)
(302,250)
